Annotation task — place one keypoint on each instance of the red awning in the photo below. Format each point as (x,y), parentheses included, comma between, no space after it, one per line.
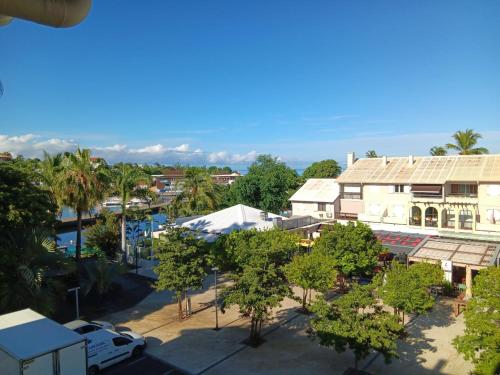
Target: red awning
(429,189)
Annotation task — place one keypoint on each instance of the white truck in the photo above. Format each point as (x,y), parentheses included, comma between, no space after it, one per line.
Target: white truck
(31,344)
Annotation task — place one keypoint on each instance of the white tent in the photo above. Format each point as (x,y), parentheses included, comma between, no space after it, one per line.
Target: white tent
(239,217)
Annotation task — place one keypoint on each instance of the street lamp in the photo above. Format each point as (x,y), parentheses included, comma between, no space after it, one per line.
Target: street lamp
(215,269)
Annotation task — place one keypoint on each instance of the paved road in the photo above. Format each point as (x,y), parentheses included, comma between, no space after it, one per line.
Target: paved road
(144,364)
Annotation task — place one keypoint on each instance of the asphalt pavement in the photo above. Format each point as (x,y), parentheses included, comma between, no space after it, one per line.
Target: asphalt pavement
(144,365)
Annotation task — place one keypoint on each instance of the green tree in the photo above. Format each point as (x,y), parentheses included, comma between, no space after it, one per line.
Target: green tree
(407,289)
(353,247)
(50,170)
(312,271)
(83,186)
(124,180)
(465,142)
(198,193)
(235,250)
(438,151)
(481,340)
(354,321)
(268,184)
(99,275)
(371,154)
(182,263)
(104,234)
(259,281)
(27,259)
(23,204)
(322,169)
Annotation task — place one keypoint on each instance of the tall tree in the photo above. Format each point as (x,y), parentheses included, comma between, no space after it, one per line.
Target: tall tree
(465,142)
(124,180)
(353,247)
(83,186)
(481,340)
(312,271)
(27,258)
(268,184)
(198,193)
(182,263)
(259,281)
(438,151)
(356,322)
(407,289)
(322,169)
(104,234)
(50,169)
(371,154)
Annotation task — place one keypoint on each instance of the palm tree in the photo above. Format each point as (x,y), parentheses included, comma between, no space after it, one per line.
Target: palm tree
(50,169)
(465,142)
(198,194)
(438,151)
(83,186)
(30,260)
(371,154)
(124,180)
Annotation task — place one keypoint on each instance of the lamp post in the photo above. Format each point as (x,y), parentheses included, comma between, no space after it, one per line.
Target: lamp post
(215,269)
(76,300)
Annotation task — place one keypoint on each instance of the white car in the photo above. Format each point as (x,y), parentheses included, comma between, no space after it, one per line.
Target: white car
(106,347)
(84,328)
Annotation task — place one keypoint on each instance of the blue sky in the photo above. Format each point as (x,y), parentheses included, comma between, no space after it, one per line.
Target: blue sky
(221,81)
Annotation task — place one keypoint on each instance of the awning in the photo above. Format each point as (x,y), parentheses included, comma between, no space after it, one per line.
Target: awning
(429,189)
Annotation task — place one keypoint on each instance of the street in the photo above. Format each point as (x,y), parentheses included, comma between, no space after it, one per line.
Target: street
(143,364)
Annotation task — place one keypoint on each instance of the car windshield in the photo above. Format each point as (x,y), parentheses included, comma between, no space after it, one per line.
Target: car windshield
(127,336)
(97,324)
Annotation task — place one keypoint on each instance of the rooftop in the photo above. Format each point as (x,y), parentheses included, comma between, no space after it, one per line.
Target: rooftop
(482,254)
(239,217)
(317,190)
(424,170)
(26,334)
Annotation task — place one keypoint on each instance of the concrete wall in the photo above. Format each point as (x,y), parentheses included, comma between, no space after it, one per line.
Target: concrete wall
(311,209)
(488,199)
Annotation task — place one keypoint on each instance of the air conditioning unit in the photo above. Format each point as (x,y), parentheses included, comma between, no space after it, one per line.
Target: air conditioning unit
(329,215)
(321,216)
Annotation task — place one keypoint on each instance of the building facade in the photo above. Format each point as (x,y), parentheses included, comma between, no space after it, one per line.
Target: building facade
(444,195)
(318,197)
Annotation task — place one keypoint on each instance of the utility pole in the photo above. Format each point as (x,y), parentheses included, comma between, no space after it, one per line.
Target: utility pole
(215,269)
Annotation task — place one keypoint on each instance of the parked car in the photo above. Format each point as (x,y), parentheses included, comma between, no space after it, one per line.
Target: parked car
(84,328)
(106,347)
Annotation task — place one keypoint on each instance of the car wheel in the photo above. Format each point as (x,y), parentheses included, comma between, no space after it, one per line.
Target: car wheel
(137,351)
(93,370)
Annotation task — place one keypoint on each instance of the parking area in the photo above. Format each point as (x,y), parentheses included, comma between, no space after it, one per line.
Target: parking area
(142,365)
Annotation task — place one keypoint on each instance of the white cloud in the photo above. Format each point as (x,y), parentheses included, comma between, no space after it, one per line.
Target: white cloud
(31,145)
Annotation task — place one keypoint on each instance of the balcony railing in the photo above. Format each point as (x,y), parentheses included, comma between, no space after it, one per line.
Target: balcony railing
(346,216)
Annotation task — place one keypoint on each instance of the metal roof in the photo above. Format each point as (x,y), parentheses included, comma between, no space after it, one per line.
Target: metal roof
(424,170)
(26,334)
(317,190)
(466,252)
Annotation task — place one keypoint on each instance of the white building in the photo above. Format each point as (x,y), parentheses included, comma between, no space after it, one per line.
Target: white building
(239,217)
(318,197)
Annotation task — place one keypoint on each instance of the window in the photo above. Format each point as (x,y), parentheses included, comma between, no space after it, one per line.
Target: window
(321,206)
(467,190)
(448,218)
(399,188)
(87,329)
(465,219)
(121,341)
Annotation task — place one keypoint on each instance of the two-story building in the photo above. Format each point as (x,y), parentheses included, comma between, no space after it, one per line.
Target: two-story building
(449,195)
(318,197)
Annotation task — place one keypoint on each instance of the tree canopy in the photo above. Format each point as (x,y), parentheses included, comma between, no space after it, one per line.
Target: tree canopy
(407,289)
(104,234)
(182,263)
(322,169)
(259,282)
(465,142)
(268,185)
(354,321)
(438,151)
(353,247)
(481,340)
(312,271)
(371,154)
